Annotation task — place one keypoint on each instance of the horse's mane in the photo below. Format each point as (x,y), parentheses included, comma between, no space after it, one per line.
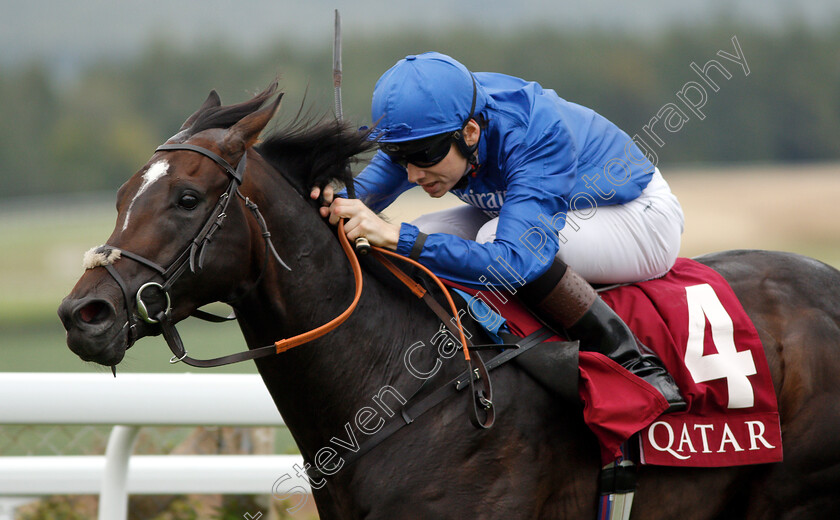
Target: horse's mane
(308,152)
(312,153)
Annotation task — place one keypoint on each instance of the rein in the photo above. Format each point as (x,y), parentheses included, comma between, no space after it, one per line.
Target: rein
(193,257)
(176,345)
(482,398)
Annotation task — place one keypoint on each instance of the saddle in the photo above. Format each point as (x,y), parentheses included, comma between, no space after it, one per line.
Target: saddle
(693,321)
(726,424)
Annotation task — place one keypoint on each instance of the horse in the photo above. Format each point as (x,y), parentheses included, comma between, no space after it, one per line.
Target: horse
(539,460)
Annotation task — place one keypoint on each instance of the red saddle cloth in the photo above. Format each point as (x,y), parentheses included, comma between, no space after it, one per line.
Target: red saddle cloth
(695,324)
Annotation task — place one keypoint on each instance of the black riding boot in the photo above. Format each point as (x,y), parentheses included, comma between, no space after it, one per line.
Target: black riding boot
(562,298)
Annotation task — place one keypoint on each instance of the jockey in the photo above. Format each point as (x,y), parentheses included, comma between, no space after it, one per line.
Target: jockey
(557,197)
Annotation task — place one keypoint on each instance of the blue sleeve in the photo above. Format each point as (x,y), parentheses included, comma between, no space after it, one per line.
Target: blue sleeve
(540,172)
(380,183)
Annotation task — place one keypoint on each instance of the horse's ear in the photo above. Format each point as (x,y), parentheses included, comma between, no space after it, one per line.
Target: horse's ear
(244,134)
(212,101)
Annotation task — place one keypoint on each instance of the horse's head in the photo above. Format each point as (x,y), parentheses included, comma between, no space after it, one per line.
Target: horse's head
(182,203)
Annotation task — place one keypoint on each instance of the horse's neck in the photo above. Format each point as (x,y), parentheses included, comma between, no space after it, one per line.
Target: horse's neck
(319,386)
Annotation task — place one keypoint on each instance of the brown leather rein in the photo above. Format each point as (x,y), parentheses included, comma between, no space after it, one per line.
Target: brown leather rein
(192,258)
(283,345)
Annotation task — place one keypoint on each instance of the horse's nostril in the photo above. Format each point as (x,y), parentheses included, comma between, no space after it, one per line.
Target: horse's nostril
(94,312)
(86,314)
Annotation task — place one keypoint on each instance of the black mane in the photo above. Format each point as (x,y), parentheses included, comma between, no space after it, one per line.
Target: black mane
(307,152)
(313,154)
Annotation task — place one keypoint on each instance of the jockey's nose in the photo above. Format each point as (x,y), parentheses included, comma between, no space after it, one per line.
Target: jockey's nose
(415,174)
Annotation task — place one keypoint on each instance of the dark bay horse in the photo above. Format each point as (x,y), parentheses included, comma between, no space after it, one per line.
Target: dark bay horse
(539,460)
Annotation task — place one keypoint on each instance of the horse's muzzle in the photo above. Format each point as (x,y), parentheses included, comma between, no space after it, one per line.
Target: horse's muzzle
(92,331)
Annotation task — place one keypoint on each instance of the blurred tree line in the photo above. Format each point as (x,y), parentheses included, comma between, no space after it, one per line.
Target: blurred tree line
(93,131)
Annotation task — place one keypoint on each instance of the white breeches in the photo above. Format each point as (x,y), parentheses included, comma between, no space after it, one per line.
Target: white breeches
(622,243)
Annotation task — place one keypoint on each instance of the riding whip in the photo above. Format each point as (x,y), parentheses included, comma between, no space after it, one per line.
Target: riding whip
(362,244)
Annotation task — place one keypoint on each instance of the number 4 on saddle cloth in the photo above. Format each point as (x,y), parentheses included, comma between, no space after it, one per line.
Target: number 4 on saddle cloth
(692,320)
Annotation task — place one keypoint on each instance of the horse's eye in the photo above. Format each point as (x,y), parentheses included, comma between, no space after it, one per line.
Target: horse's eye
(188,201)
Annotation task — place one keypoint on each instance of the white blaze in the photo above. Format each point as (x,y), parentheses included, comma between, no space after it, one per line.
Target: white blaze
(155,172)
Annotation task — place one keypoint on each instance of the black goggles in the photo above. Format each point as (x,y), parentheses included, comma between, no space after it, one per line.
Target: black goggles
(422,152)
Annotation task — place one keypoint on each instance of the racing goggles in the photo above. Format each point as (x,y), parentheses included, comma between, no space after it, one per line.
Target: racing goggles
(424,152)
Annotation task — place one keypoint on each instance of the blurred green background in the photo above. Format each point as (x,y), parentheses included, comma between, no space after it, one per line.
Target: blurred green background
(89,88)
(87,91)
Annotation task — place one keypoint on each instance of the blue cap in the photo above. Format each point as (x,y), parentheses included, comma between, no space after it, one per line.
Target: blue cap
(423,95)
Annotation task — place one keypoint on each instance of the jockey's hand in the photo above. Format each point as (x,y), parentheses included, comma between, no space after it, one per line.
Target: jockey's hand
(361,221)
(329,195)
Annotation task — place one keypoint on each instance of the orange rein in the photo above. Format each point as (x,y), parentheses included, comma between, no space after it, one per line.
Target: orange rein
(286,344)
(402,276)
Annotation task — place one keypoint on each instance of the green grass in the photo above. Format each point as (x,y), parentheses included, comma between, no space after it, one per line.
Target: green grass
(41,247)
(43,349)
(42,243)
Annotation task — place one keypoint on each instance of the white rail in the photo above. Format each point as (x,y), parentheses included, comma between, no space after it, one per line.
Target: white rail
(129,402)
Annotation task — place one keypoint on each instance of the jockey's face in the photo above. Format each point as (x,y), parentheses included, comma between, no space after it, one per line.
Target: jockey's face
(439,178)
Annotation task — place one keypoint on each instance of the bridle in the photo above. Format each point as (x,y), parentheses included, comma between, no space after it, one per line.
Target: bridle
(191,257)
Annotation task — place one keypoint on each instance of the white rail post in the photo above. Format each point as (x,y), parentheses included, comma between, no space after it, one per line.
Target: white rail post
(10,504)
(113,499)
